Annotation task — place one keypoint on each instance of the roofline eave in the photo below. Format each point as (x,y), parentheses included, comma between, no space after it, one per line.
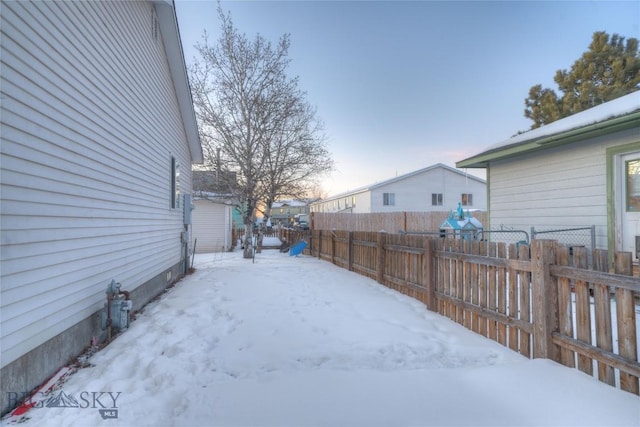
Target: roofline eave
(594,130)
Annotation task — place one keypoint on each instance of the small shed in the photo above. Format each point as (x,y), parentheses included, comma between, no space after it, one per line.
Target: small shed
(461,225)
(212,224)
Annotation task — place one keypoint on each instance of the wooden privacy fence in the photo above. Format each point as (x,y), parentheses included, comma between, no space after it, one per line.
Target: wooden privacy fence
(538,300)
(391,222)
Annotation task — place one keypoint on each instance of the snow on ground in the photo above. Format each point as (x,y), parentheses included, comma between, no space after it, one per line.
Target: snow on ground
(295,341)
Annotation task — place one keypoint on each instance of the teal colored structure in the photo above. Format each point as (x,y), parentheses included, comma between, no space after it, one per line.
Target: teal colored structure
(461,225)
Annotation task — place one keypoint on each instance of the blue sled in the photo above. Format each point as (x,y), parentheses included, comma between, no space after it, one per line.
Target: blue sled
(297,248)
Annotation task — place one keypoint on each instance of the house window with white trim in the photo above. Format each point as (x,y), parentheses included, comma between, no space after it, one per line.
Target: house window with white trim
(467,199)
(388,199)
(436,199)
(175,184)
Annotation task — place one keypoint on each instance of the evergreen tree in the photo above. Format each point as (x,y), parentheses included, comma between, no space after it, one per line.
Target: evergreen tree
(608,70)
(543,106)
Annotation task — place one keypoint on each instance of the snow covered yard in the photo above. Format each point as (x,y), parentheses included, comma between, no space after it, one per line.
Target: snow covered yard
(295,341)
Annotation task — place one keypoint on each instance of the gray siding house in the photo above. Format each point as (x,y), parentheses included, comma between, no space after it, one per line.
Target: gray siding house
(437,188)
(98,138)
(583,170)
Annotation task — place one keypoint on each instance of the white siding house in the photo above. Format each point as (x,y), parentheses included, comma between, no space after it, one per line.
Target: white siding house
(98,138)
(580,171)
(212,225)
(435,188)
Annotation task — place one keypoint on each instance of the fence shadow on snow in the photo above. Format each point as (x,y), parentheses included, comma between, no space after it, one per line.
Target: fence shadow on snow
(541,300)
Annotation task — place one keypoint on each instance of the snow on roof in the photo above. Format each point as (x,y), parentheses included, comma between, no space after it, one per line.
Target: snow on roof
(618,107)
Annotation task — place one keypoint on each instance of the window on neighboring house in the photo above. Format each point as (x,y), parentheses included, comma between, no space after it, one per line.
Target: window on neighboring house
(467,199)
(388,199)
(436,199)
(175,184)
(353,201)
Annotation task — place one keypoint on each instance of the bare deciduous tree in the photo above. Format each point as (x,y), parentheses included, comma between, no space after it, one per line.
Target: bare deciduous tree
(297,156)
(256,126)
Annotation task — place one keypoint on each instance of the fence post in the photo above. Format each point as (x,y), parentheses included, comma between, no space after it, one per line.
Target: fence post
(428,273)
(319,244)
(545,299)
(381,257)
(333,247)
(350,251)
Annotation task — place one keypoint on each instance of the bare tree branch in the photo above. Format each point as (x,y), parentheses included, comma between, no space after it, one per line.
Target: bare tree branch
(255,123)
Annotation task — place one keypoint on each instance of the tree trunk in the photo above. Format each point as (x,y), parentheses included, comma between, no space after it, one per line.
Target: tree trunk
(248,249)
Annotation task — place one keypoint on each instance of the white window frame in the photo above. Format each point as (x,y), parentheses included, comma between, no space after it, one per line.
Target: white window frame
(175,184)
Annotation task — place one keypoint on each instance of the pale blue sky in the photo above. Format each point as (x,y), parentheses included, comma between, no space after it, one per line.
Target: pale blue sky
(403,85)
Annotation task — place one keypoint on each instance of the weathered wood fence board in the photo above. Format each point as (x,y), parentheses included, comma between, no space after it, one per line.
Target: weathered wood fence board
(524,306)
(539,300)
(626,316)
(565,308)
(602,308)
(502,294)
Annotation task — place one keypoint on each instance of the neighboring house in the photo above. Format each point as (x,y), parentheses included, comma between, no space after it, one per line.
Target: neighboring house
(211,181)
(436,188)
(212,223)
(579,171)
(209,184)
(284,212)
(98,138)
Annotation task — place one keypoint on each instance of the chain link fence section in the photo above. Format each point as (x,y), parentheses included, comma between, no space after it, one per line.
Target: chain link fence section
(579,236)
(519,237)
(505,234)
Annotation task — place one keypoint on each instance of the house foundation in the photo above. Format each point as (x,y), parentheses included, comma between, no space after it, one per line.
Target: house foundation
(19,378)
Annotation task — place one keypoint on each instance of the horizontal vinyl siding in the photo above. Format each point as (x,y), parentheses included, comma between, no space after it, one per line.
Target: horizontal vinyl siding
(556,188)
(89,125)
(363,203)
